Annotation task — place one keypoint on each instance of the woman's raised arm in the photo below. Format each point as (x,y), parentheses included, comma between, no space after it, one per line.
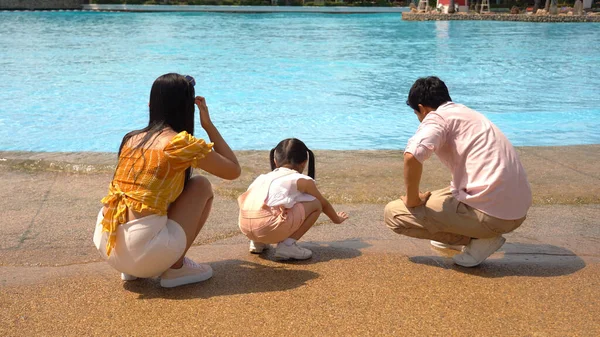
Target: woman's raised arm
(221,162)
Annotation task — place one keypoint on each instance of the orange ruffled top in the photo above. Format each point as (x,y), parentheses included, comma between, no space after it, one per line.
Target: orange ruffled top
(151,182)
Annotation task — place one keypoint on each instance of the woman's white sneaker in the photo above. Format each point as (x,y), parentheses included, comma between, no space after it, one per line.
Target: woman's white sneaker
(257,247)
(190,272)
(127,277)
(293,251)
(478,250)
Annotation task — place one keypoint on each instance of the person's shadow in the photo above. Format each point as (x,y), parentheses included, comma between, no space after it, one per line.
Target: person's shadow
(519,259)
(324,251)
(229,277)
(245,277)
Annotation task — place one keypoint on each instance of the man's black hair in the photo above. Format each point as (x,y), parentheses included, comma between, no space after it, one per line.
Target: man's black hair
(428,91)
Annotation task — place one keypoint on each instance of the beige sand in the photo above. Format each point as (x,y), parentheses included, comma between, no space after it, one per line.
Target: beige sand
(362,280)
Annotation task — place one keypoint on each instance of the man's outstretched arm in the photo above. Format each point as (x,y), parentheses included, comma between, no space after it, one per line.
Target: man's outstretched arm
(412,179)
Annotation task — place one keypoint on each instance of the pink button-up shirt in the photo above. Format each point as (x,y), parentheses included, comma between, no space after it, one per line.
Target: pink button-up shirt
(486,171)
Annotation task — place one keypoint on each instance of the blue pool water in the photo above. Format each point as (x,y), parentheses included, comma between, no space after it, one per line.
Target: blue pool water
(77,81)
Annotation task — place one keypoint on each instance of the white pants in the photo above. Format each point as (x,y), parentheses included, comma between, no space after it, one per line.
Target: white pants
(145,247)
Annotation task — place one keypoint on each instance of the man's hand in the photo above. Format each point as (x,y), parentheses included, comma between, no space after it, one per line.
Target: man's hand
(414,202)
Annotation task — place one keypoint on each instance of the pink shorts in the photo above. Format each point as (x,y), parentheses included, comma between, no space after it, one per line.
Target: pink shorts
(145,247)
(280,225)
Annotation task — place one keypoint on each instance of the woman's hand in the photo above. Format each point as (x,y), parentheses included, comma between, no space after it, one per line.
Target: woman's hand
(342,216)
(221,162)
(204,116)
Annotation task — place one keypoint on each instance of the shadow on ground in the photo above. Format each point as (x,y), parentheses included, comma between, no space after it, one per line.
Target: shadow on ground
(245,277)
(230,277)
(324,251)
(520,259)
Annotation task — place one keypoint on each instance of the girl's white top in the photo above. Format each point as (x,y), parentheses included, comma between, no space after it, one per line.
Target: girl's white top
(284,190)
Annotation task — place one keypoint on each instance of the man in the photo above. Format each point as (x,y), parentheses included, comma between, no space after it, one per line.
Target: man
(489,194)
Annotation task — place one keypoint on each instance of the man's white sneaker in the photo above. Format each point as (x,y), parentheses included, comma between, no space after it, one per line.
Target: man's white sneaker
(190,272)
(478,250)
(285,252)
(257,247)
(127,277)
(442,245)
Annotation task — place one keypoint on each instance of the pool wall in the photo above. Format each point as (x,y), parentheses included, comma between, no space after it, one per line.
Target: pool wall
(40,4)
(80,5)
(244,9)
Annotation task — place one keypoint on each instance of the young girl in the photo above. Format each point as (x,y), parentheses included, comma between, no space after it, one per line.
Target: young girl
(282,205)
(154,208)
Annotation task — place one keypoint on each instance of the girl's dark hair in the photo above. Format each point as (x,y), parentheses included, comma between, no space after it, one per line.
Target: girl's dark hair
(428,91)
(171,105)
(292,151)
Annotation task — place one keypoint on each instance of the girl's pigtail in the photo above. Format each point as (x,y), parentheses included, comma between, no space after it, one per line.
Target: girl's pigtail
(311,164)
(272,159)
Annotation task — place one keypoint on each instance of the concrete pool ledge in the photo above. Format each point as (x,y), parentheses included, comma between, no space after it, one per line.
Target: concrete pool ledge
(245,9)
(408,16)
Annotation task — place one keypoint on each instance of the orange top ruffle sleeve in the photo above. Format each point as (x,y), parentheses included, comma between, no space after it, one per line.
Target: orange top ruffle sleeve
(150,179)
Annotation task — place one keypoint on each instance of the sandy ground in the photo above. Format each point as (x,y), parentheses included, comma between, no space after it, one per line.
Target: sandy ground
(362,280)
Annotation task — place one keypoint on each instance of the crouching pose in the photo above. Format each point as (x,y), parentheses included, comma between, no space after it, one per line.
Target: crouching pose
(281,206)
(154,208)
(489,194)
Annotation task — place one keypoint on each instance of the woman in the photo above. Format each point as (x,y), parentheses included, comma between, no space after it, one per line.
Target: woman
(154,208)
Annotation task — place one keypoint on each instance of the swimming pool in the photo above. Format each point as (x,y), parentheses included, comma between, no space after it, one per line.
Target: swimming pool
(77,81)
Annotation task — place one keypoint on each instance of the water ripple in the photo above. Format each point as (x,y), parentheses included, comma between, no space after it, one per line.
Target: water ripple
(77,81)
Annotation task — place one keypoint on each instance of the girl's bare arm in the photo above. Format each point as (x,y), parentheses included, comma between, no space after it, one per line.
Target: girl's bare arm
(308,186)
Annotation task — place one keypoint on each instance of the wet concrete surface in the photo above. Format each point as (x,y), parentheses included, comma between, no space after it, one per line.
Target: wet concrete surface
(362,280)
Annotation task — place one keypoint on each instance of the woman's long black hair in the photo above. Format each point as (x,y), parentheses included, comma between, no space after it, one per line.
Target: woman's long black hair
(171,105)
(292,151)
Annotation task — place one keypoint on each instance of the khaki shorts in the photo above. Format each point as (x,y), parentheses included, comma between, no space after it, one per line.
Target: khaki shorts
(445,219)
(280,225)
(145,247)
